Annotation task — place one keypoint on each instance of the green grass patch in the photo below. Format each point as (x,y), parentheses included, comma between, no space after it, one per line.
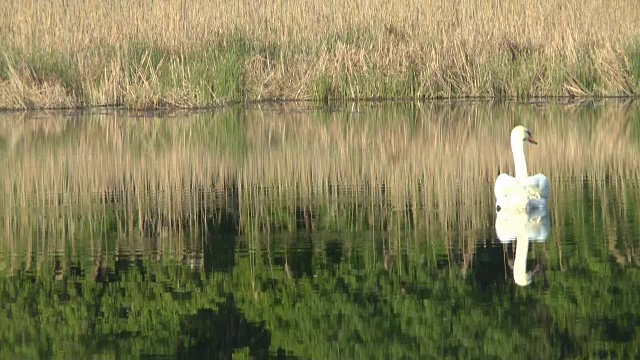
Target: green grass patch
(55,66)
(587,75)
(633,63)
(40,65)
(229,69)
(7,55)
(322,90)
(207,74)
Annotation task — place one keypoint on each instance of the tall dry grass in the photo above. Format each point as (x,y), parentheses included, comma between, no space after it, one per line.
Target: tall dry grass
(65,53)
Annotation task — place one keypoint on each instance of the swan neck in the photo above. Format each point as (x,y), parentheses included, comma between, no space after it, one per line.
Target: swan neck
(519,159)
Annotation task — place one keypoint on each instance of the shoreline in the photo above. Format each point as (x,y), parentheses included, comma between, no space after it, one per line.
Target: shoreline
(60,81)
(160,112)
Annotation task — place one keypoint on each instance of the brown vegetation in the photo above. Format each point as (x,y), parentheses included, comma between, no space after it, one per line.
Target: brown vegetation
(178,53)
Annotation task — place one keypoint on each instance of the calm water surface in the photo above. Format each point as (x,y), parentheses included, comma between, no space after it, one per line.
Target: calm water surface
(294,231)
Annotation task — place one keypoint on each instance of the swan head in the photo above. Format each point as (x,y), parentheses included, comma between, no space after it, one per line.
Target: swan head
(521,134)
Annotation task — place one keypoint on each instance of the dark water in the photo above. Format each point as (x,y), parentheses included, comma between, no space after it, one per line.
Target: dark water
(205,254)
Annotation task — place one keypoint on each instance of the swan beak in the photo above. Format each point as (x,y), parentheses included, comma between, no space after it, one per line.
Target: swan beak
(532,141)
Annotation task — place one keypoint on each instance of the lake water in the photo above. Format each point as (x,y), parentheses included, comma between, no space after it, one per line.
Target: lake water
(296,231)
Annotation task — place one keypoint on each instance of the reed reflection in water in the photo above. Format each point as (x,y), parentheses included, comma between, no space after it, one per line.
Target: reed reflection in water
(438,156)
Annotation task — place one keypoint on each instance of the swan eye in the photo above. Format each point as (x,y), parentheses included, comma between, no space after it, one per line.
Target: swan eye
(528,134)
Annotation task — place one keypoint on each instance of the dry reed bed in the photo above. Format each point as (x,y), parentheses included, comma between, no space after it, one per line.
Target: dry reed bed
(65,53)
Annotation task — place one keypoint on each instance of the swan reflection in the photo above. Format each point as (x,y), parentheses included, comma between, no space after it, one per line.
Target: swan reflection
(522,226)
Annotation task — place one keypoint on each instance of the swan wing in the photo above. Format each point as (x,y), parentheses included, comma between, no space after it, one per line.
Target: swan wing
(511,193)
(540,183)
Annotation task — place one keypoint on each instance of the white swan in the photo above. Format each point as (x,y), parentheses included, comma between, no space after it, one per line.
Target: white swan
(523,191)
(530,225)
